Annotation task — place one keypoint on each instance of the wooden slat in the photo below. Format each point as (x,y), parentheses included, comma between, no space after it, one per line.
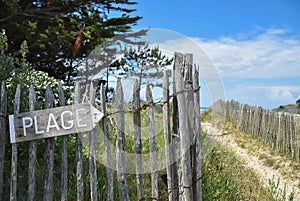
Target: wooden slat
(138,139)
(32,153)
(120,142)
(109,172)
(186,182)
(177,176)
(64,151)
(175,138)
(49,152)
(79,164)
(167,136)
(189,94)
(3,111)
(276,129)
(53,122)
(197,173)
(151,133)
(92,152)
(14,152)
(189,97)
(293,137)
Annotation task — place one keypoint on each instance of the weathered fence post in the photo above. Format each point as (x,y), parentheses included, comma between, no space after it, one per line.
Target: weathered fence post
(64,152)
(273,131)
(3,111)
(281,130)
(276,129)
(197,171)
(92,156)
(79,164)
(109,172)
(167,135)
(138,139)
(120,142)
(297,140)
(14,151)
(189,95)
(32,152)
(260,113)
(288,134)
(151,133)
(49,152)
(186,181)
(175,138)
(293,137)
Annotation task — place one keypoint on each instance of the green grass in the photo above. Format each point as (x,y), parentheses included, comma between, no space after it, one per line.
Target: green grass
(269,162)
(224,178)
(269,156)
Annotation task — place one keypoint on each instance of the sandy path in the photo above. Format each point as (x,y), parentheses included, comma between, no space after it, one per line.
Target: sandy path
(265,173)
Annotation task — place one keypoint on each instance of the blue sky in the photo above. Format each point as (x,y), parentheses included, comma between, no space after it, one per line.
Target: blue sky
(253,45)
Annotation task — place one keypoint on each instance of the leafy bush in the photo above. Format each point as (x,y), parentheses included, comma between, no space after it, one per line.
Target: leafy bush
(16,71)
(6,62)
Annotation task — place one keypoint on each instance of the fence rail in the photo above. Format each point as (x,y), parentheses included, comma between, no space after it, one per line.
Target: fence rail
(182,144)
(280,130)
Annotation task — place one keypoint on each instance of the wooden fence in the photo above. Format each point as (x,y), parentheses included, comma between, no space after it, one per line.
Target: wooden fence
(181,135)
(280,130)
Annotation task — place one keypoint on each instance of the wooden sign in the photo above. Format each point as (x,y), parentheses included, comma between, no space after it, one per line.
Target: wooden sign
(53,122)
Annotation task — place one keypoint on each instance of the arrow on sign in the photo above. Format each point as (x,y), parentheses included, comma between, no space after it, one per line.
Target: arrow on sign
(53,122)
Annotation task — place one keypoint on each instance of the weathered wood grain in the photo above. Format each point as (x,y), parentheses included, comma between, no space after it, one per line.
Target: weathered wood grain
(49,152)
(3,111)
(79,163)
(167,136)
(197,171)
(53,122)
(276,129)
(32,153)
(64,152)
(92,152)
(109,172)
(175,136)
(151,134)
(189,94)
(120,142)
(14,151)
(189,97)
(186,180)
(138,139)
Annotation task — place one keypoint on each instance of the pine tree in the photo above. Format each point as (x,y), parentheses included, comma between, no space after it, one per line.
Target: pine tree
(62,33)
(143,63)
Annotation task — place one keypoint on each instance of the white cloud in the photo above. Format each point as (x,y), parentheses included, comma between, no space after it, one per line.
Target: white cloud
(281,94)
(270,54)
(266,55)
